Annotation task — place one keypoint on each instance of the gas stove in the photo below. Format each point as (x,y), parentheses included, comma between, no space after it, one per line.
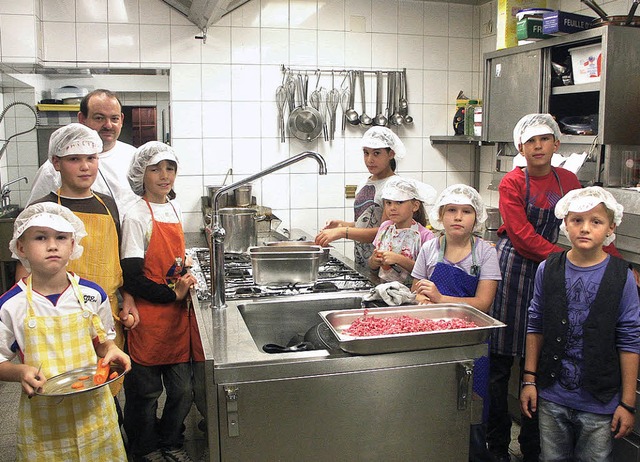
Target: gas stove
(333,276)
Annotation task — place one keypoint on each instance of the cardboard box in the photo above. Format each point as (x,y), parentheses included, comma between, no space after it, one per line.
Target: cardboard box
(506,23)
(586,63)
(530,29)
(562,23)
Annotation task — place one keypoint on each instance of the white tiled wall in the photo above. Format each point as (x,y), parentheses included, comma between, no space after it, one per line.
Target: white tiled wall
(223,110)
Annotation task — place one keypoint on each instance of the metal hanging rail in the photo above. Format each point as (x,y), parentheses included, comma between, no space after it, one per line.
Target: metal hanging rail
(327,70)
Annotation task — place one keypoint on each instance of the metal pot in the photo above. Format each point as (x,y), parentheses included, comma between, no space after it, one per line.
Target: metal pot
(494,220)
(634,21)
(240,228)
(242,196)
(223,201)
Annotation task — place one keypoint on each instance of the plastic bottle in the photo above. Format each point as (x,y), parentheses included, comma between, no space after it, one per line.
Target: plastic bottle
(469,113)
(477,120)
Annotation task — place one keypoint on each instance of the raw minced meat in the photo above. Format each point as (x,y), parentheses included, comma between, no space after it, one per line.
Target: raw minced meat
(367,326)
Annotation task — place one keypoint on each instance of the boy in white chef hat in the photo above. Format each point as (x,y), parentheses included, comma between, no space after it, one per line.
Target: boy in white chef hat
(399,238)
(54,310)
(583,336)
(533,125)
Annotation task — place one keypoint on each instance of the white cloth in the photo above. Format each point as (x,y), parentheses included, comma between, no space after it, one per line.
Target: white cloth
(392,293)
(13,309)
(113,168)
(137,225)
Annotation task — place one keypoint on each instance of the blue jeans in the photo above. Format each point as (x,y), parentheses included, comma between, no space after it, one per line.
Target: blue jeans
(142,388)
(570,435)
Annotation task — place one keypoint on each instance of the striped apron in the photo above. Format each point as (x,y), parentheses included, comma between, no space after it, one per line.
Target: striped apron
(518,273)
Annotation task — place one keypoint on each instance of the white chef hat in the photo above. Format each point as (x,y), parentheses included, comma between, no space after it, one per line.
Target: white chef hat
(584,199)
(382,137)
(458,194)
(150,153)
(72,139)
(404,189)
(532,125)
(48,215)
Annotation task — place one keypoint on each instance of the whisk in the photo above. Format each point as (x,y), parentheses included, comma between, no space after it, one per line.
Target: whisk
(281,100)
(332,106)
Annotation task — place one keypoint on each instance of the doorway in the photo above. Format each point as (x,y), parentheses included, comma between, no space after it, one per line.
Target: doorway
(140,125)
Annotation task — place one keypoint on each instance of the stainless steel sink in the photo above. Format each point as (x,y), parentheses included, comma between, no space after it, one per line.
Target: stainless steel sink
(280,321)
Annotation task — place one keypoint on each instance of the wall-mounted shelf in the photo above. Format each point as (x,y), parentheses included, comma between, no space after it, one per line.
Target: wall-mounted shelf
(459,139)
(58,107)
(580,88)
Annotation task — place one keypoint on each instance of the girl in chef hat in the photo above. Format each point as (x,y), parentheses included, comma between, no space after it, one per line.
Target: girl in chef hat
(459,267)
(380,147)
(166,340)
(53,321)
(399,239)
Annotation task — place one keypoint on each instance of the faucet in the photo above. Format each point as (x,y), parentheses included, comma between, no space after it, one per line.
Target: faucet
(218,232)
(5,192)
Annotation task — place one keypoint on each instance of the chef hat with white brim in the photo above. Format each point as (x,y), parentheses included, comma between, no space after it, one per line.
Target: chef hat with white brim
(48,215)
(151,153)
(403,189)
(585,199)
(382,137)
(458,194)
(533,125)
(75,139)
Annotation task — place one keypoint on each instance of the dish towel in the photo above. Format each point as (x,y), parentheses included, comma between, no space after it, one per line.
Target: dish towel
(392,293)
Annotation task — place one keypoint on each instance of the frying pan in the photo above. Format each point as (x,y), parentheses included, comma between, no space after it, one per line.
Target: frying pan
(623,20)
(305,123)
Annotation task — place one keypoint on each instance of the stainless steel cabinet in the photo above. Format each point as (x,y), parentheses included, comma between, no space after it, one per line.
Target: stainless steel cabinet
(511,92)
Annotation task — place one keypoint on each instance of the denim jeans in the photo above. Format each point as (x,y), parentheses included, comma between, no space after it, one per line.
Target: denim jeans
(570,435)
(142,387)
(499,423)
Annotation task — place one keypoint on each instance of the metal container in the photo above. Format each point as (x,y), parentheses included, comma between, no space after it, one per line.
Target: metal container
(242,196)
(285,265)
(240,228)
(224,201)
(323,259)
(494,220)
(341,320)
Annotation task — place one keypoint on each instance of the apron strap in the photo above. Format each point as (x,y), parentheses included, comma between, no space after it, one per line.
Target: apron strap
(475,268)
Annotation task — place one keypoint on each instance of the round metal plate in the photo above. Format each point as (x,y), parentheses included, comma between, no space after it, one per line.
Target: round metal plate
(60,385)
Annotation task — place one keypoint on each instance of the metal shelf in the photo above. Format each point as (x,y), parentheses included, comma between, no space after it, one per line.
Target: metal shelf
(459,139)
(579,88)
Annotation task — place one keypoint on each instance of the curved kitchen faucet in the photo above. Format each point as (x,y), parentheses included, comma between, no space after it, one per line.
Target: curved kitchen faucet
(218,233)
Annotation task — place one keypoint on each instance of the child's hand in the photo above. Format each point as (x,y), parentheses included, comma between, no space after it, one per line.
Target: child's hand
(183,284)
(622,422)
(528,400)
(116,355)
(328,235)
(129,316)
(31,379)
(429,290)
(385,258)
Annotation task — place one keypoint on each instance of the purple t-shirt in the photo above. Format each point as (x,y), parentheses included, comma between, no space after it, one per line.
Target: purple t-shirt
(582,284)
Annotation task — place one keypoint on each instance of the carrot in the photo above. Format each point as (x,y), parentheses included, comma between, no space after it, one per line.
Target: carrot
(84,377)
(77,385)
(113,375)
(102,372)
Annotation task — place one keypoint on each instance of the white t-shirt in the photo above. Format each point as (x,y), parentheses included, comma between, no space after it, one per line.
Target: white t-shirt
(137,225)
(111,180)
(13,310)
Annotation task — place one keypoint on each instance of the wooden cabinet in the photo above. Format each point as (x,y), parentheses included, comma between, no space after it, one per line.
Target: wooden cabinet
(518,81)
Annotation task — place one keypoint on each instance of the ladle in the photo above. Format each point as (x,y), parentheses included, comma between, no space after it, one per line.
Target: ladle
(364,118)
(396,118)
(351,114)
(380,118)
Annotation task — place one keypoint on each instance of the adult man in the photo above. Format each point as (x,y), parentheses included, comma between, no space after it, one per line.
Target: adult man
(102,111)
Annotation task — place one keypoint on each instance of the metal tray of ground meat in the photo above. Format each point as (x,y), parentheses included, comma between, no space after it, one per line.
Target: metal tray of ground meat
(339,320)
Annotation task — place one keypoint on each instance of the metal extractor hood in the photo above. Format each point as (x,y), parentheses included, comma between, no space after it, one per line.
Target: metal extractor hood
(203,13)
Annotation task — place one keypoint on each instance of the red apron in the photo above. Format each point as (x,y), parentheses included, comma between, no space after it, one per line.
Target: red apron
(164,333)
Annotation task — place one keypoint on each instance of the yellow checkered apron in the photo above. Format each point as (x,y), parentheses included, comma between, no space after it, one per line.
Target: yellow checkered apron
(100,263)
(81,427)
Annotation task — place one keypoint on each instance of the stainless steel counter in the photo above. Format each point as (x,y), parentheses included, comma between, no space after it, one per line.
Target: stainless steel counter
(327,404)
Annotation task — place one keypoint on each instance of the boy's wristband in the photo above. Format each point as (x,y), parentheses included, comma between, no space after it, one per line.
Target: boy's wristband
(346,233)
(625,406)
(535,374)
(533,384)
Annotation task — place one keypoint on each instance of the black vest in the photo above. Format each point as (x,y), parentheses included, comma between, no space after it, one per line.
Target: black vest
(601,366)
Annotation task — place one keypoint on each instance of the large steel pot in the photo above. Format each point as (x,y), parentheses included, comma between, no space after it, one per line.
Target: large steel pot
(239,224)
(323,259)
